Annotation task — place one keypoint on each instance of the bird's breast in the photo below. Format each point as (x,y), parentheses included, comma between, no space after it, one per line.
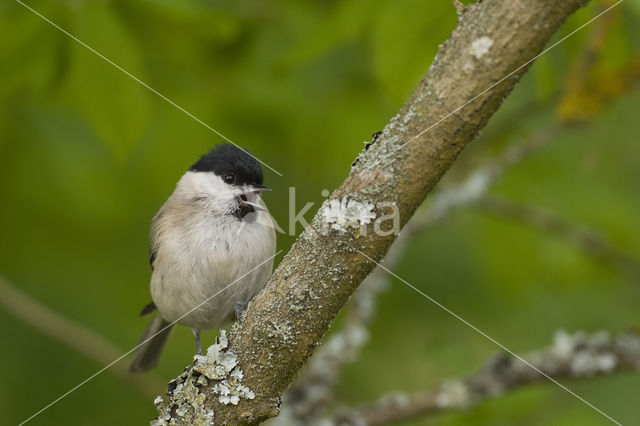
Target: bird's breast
(205,267)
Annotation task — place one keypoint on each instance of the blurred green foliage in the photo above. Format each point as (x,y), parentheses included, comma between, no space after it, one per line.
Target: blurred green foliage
(87,155)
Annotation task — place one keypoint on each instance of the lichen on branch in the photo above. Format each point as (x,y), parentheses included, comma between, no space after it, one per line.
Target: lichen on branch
(401,167)
(576,356)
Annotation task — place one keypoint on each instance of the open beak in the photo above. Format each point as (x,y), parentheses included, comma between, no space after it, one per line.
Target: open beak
(251,197)
(259,188)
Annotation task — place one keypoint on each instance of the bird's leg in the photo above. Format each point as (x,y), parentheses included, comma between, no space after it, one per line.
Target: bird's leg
(196,333)
(239,308)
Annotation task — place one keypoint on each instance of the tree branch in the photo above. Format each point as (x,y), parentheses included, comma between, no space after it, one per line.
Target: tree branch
(72,334)
(286,321)
(579,235)
(580,355)
(305,401)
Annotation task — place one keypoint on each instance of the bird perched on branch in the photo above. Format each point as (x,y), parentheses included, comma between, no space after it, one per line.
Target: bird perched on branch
(212,248)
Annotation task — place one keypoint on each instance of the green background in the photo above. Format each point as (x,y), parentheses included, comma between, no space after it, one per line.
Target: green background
(87,156)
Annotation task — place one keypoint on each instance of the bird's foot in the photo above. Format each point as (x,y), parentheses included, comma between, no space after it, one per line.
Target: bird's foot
(196,333)
(239,309)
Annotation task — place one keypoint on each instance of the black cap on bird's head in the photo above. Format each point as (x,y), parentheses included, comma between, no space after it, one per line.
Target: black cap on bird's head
(235,165)
(239,169)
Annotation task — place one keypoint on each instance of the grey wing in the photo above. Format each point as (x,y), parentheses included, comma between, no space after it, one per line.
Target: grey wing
(153,253)
(148,308)
(155,230)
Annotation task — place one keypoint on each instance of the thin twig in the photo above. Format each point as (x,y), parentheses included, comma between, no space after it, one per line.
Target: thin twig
(579,235)
(579,355)
(72,334)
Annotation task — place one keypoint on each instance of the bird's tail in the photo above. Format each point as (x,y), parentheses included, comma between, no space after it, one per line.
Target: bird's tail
(148,353)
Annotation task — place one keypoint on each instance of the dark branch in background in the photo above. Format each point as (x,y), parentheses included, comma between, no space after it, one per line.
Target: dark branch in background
(579,355)
(580,235)
(244,377)
(72,334)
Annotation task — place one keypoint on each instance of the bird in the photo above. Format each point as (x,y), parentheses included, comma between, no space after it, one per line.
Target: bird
(212,248)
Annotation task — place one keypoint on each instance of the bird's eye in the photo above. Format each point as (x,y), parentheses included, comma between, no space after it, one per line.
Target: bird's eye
(229,178)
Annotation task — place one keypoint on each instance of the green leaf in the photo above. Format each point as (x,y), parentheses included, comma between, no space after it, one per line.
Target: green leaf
(634,4)
(27,57)
(116,106)
(546,77)
(405,40)
(344,24)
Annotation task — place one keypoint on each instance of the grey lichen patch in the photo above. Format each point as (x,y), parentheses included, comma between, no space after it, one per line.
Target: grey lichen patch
(480,46)
(396,125)
(587,355)
(395,400)
(187,394)
(218,363)
(282,331)
(589,364)
(185,405)
(454,393)
(221,364)
(467,67)
(367,145)
(231,391)
(410,115)
(347,213)
(387,149)
(628,346)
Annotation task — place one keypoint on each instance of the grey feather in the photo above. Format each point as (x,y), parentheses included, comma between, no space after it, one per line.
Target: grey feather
(148,308)
(148,353)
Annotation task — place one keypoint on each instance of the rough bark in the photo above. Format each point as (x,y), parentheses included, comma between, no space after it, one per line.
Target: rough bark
(285,322)
(307,399)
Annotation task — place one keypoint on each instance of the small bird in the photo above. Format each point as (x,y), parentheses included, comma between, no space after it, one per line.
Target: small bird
(211,233)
